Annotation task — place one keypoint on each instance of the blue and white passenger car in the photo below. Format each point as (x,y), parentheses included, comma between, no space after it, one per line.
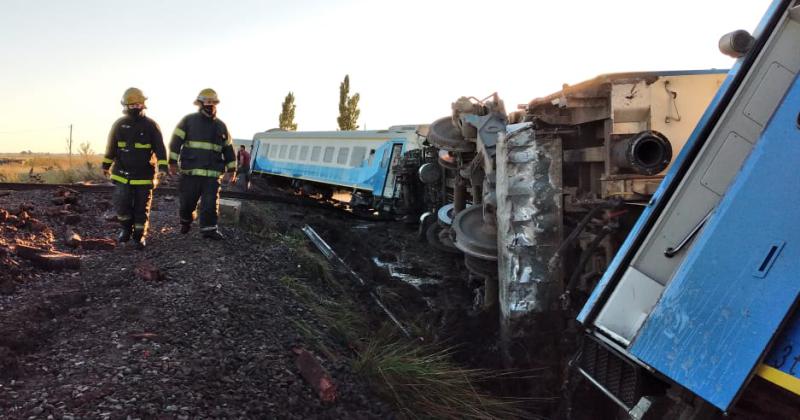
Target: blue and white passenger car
(360,162)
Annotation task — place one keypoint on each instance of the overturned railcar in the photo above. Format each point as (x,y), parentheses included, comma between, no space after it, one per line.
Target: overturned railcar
(539,200)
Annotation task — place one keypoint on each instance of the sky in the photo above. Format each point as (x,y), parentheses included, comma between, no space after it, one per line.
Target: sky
(68,62)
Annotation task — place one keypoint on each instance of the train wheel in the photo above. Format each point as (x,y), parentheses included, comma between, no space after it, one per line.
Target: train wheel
(438,238)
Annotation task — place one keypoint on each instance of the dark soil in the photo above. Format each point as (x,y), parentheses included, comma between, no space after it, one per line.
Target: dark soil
(213,339)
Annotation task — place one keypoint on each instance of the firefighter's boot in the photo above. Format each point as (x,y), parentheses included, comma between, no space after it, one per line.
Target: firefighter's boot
(215,235)
(138,239)
(124,234)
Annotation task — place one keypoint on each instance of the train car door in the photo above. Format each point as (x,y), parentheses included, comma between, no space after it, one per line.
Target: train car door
(388,163)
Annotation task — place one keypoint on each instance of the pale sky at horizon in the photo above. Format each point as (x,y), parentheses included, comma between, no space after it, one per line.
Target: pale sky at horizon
(69,62)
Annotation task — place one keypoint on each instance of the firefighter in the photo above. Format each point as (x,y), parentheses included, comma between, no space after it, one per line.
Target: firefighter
(128,161)
(201,151)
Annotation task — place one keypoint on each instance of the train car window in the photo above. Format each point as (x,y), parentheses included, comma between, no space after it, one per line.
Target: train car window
(282,154)
(273,152)
(303,153)
(341,158)
(293,152)
(357,158)
(315,152)
(385,159)
(328,157)
(371,157)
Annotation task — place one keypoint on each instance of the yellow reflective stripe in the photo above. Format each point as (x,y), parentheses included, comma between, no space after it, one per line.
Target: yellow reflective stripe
(162,161)
(779,377)
(231,165)
(180,133)
(119,179)
(131,181)
(174,156)
(201,172)
(141,146)
(107,160)
(141,182)
(205,145)
(120,144)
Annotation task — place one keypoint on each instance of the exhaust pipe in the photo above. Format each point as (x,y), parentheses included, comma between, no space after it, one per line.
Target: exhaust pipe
(646,153)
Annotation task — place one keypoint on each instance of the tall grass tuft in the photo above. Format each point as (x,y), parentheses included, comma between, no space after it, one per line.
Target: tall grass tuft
(424,381)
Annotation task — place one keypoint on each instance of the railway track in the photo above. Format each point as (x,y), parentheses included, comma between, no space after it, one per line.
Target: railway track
(164,190)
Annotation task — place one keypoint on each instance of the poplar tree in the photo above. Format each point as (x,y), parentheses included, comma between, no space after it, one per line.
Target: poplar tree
(286,119)
(348,107)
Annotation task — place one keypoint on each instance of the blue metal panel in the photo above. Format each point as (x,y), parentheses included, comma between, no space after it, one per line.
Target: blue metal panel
(739,281)
(696,139)
(368,177)
(639,227)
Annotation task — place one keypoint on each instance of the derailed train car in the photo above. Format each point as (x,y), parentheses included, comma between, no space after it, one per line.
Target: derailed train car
(701,297)
(561,180)
(360,163)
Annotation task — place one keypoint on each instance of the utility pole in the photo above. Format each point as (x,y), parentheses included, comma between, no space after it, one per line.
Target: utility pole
(70,144)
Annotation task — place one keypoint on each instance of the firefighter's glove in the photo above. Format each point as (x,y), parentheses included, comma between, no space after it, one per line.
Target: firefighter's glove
(107,173)
(173,169)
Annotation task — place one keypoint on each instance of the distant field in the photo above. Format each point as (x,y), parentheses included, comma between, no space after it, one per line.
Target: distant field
(50,168)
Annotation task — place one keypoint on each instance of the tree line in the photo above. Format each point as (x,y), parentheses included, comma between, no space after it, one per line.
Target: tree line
(348,109)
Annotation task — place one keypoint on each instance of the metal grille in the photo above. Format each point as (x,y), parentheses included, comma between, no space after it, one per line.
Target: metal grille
(619,377)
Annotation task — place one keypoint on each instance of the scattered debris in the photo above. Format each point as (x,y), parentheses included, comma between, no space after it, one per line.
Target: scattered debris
(72,239)
(149,272)
(60,201)
(316,376)
(98,244)
(48,260)
(328,252)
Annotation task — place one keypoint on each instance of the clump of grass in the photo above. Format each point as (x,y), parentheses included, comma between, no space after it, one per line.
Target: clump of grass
(423,381)
(51,169)
(344,321)
(72,175)
(420,380)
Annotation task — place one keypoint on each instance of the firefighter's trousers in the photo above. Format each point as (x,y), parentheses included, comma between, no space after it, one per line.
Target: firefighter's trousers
(206,189)
(132,203)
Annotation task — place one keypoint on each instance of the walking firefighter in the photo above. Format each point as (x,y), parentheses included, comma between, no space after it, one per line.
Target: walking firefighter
(132,143)
(201,151)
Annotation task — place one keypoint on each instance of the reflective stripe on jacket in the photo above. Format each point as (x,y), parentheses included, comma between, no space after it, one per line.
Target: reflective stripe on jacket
(202,146)
(131,145)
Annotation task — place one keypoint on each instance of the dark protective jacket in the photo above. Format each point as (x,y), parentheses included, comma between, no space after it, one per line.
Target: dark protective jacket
(202,146)
(131,145)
